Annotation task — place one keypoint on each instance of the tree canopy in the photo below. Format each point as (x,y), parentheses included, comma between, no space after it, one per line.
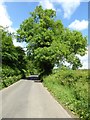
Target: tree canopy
(49,42)
(14,60)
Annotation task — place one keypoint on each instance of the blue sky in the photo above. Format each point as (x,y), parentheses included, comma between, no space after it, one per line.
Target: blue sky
(73,14)
(19,11)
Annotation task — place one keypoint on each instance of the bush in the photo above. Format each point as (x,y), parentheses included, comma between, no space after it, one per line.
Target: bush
(71,88)
(8,71)
(10,80)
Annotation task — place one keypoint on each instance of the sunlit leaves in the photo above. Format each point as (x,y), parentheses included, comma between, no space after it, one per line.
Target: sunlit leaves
(49,43)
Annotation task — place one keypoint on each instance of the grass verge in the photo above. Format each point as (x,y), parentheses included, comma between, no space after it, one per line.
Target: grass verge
(70,88)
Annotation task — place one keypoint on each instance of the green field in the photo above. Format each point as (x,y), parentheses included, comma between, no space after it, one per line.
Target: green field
(70,88)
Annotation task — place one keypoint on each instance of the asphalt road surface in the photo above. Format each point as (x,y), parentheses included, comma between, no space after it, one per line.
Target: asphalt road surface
(29,99)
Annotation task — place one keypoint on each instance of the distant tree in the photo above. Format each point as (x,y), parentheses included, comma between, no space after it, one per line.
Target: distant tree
(49,43)
(75,45)
(12,57)
(21,63)
(9,56)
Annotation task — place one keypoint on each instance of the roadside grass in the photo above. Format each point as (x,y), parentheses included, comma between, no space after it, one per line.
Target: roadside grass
(70,88)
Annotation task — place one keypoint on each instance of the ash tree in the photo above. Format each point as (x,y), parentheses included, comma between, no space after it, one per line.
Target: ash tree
(49,42)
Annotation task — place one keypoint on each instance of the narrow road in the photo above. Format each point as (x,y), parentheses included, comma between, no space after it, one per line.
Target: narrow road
(29,99)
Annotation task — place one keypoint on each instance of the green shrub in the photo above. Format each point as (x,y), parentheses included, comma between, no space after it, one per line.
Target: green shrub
(71,88)
(10,80)
(8,71)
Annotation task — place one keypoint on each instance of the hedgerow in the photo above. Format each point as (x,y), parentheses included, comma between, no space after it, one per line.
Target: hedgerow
(71,88)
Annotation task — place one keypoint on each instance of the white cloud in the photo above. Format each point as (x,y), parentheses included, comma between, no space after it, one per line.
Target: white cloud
(39,0)
(4,17)
(5,20)
(22,44)
(84,61)
(79,25)
(69,6)
(47,4)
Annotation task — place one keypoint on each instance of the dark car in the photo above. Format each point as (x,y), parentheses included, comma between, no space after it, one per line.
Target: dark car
(35,78)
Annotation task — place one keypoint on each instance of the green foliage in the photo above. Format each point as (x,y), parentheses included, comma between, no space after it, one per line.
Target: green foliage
(7,71)
(9,80)
(8,50)
(21,62)
(71,88)
(49,43)
(14,60)
(40,35)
